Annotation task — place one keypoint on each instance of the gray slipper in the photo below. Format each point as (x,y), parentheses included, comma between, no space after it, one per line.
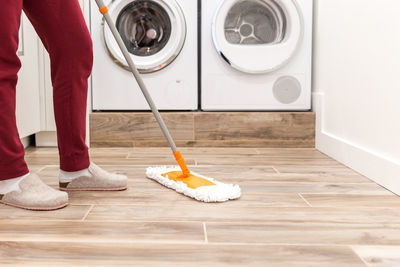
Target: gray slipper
(35,195)
(101,180)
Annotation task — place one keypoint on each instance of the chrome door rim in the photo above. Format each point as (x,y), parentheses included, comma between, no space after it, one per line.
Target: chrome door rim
(280,40)
(166,55)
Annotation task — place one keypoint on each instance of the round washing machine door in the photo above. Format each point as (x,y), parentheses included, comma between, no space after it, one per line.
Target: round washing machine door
(257,36)
(154,32)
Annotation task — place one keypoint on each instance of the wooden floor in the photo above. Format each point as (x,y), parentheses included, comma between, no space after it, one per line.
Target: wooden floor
(299,208)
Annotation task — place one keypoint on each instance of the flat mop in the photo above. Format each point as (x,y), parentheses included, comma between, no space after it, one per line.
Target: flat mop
(181,179)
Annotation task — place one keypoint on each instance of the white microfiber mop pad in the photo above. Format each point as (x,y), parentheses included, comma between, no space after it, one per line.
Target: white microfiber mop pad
(219,192)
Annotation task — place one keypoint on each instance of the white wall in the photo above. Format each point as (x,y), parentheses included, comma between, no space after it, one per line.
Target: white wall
(357,85)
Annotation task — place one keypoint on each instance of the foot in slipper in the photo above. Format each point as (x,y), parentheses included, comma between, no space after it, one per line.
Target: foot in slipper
(33,194)
(96,180)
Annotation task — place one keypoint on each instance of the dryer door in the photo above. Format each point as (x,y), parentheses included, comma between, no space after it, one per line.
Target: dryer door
(257,36)
(154,32)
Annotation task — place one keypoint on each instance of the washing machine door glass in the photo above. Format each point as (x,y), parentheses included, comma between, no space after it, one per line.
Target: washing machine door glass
(257,36)
(145,27)
(153,31)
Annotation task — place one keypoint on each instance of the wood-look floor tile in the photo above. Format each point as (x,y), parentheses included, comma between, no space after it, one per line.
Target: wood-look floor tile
(346,200)
(237,173)
(84,253)
(41,150)
(270,225)
(110,144)
(193,152)
(228,174)
(71,212)
(113,152)
(379,256)
(257,160)
(36,168)
(145,192)
(166,160)
(255,174)
(55,231)
(142,190)
(140,196)
(132,171)
(291,152)
(230,212)
(312,169)
(151,161)
(333,188)
(37,159)
(304,233)
(302,162)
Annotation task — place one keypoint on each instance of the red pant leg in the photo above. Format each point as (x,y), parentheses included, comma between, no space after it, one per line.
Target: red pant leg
(62,28)
(12,162)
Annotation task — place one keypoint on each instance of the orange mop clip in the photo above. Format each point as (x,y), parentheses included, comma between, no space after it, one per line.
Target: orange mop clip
(185,176)
(103,10)
(181,162)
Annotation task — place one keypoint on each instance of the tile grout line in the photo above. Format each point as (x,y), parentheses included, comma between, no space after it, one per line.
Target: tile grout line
(87,213)
(373,224)
(256,206)
(305,200)
(175,242)
(275,169)
(194,134)
(359,256)
(42,168)
(205,233)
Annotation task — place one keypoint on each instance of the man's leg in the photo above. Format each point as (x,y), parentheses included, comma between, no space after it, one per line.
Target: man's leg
(12,162)
(62,29)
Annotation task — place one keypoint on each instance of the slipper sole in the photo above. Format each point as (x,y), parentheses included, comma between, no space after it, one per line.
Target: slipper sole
(35,208)
(95,189)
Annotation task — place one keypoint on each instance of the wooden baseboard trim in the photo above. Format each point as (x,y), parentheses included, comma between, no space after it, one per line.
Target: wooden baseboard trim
(204,129)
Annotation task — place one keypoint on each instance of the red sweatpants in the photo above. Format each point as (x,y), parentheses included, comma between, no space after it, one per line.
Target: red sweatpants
(63,31)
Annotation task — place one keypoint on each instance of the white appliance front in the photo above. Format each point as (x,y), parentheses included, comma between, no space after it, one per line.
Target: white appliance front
(256,54)
(161,36)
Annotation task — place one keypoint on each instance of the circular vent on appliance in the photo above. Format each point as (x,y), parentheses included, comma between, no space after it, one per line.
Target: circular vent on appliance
(287,89)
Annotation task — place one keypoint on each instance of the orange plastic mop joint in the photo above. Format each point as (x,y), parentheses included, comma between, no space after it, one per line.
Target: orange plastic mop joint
(103,10)
(181,162)
(184,176)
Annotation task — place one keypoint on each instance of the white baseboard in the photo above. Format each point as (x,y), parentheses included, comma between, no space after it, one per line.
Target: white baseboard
(49,139)
(26,141)
(379,168)
(46,139)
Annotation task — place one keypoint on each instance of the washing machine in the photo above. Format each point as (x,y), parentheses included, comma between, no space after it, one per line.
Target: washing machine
(256,54)
(161,36)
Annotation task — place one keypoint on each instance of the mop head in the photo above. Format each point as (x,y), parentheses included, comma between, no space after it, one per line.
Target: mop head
(196,186)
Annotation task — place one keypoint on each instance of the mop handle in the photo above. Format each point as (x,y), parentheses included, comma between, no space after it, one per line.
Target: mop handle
(104,10)
(178,156)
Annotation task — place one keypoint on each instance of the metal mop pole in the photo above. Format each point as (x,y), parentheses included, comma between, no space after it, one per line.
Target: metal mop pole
(104,10)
